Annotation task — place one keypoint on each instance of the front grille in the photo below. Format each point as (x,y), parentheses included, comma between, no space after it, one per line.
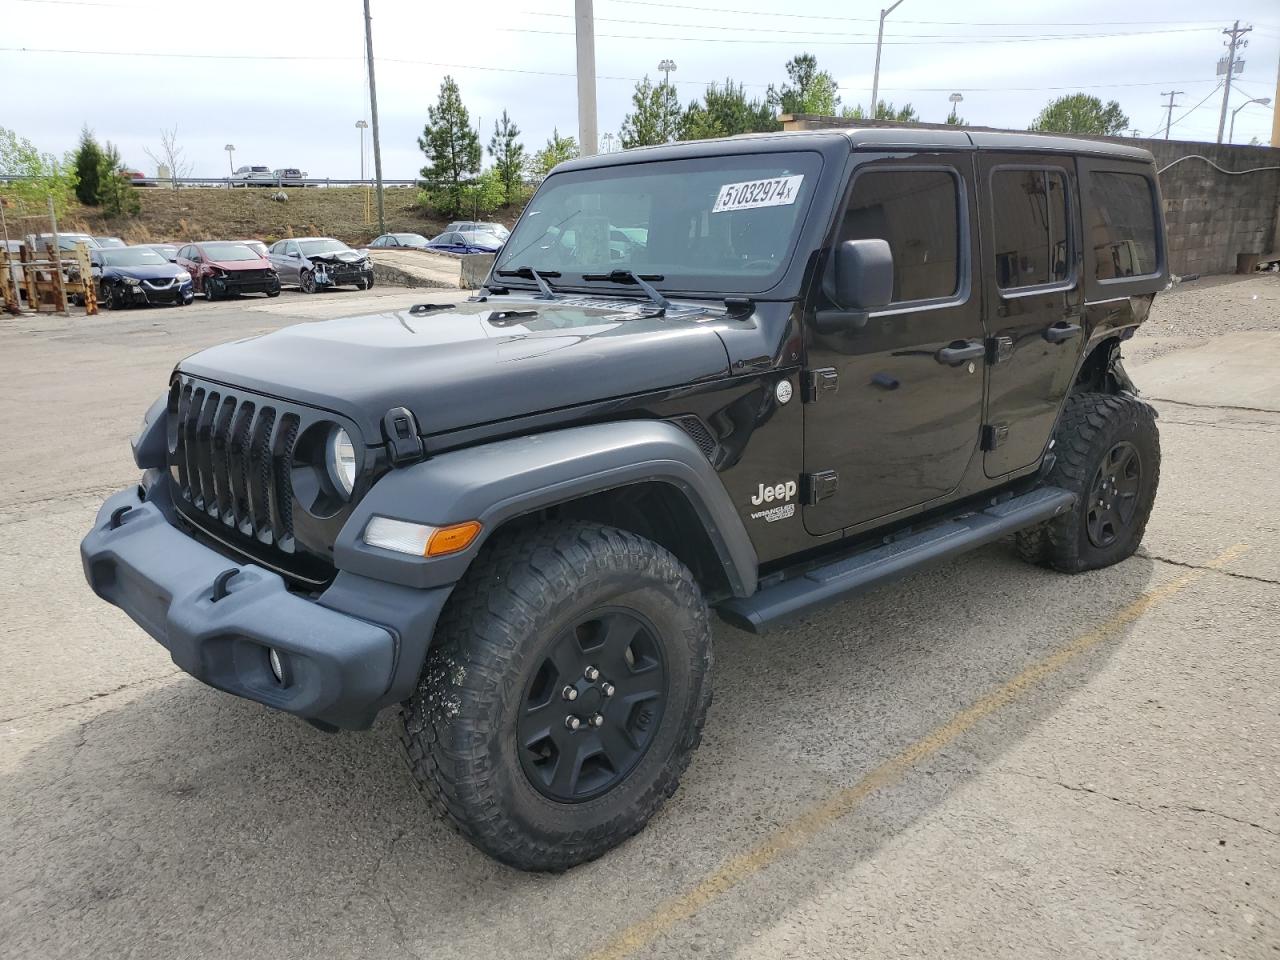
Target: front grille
(248,276)
(230,458)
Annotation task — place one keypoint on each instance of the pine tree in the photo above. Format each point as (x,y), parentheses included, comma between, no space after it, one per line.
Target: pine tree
(655,117)
(884,111)
(558,150)
(452,148)
(88,157)
(116,193)
(508,156)
(811,90)
(726,112)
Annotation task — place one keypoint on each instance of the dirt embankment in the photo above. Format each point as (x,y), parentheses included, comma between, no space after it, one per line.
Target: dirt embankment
(348,213)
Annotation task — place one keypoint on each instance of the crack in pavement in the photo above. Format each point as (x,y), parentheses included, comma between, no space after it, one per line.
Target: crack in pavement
(88,699)
(1200,566)
(397,924)
(1213,406)
(1158,810)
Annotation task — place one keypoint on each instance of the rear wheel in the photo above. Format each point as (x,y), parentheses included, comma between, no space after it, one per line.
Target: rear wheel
(564,695)
(1108,455)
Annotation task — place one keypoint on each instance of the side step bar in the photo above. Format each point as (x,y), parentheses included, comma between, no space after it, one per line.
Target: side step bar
(878,565)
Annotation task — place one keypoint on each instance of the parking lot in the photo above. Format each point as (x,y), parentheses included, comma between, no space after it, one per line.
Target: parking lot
(987,760)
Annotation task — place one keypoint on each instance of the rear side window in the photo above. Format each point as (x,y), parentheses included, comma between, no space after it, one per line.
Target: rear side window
(918,213)
(1122,225)
(1029,209)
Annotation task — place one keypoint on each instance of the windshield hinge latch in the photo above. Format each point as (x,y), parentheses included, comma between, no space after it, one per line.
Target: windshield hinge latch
(400,428)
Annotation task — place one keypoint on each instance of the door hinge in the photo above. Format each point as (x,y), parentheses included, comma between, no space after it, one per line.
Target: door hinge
(994,434)
(816,487)
(818,382)
(999,349)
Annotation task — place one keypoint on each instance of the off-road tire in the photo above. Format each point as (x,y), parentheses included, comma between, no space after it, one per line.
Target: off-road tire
(519,596)
(1091,426)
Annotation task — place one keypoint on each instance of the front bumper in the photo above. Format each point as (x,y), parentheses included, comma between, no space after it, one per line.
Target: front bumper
(147,293)
(229,285)
(340,667)
(327,275)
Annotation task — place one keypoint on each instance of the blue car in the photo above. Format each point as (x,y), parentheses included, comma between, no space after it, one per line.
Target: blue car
(129,276)
(461,241)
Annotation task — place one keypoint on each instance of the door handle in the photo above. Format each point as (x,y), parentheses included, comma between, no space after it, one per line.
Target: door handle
(1061,331)
(958,351)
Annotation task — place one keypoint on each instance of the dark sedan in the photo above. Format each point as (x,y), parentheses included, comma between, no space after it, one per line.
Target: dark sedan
(137,276)
(456,241)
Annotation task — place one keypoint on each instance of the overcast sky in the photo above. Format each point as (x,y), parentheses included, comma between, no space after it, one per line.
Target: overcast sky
(135,66)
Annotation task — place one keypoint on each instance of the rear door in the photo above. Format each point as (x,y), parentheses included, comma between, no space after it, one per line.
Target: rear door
(1031,268)
(894,408)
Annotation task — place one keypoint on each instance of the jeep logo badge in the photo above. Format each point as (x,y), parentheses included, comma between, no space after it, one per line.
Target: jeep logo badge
(781,491)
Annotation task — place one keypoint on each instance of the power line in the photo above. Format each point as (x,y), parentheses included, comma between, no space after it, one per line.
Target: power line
(828,33)
(965,41)
(942,23)
(1174,123)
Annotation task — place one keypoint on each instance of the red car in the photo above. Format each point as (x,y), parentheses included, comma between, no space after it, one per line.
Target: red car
(228,268)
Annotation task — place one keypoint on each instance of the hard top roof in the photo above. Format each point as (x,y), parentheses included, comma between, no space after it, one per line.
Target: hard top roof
(870,138)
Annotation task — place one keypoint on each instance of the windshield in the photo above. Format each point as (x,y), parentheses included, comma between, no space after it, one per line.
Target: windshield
(717,224)
(311,248)
(132,257)
(224,252)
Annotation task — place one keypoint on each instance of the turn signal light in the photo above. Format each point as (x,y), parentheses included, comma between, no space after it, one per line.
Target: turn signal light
(420,539)
(453,538)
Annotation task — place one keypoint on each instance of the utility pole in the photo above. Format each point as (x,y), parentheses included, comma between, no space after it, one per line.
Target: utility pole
(373,113)
(875,80)
(1169,122)
(585,31)
(1235,33)
(1275,113)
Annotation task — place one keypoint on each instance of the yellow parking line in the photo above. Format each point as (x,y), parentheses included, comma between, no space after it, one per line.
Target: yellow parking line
(803,828)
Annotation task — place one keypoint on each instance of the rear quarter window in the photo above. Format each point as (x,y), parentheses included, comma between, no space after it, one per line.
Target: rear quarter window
(1122,226)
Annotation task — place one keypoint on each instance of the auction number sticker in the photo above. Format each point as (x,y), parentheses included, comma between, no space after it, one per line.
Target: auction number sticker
(774,192)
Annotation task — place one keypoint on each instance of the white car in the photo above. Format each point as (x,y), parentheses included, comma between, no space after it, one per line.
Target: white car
(253,176)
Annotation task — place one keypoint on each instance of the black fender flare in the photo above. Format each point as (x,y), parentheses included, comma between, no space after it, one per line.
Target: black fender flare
(496,482)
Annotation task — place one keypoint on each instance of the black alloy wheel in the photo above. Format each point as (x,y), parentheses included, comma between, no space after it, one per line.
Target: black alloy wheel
(307,282)
(593,706)
(1113,496)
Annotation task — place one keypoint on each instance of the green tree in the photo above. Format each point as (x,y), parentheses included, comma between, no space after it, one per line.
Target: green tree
(452,148)
(884,111)
(655,116)
(558,150)
(508,156)
(38,176)
(116,193)
(811,90)
(485,194)
(955,120)
(88,156)
(1081,113)
(726,112)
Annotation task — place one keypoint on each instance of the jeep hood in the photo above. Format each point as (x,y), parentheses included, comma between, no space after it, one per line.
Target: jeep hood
(473,362)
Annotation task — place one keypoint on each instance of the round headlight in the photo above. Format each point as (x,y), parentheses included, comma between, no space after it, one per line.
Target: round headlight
(342,461)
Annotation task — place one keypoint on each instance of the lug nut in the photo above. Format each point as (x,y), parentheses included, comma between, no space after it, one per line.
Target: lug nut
(597,720)
(569,693)
(607,689)
(573,723)
(591,673)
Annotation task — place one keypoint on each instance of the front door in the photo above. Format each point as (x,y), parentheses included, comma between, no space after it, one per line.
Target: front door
(1031,268)
(895,408)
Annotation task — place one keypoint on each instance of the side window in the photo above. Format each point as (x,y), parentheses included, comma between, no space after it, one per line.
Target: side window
(276,248)
(1122,225)
(918,213)
(1029,208)
(291,248)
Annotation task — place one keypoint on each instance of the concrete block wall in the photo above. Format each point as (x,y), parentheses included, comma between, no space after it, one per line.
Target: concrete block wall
(1211,216)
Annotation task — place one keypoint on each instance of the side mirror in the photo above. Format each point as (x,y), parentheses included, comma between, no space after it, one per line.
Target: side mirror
(863,274)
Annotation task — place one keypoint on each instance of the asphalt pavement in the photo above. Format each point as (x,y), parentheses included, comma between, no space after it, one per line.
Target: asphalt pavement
(986,760)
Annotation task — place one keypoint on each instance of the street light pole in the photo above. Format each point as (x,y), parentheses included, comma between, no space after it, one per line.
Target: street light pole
(362,125)
(373,113)
(1264,101)
(875,80)
(231,149)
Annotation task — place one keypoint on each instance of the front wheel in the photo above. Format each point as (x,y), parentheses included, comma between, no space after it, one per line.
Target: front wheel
(1108,454)
(307,282)
(564,695)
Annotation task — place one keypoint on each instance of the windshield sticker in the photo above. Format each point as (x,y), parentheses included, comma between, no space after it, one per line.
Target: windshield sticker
(774,192)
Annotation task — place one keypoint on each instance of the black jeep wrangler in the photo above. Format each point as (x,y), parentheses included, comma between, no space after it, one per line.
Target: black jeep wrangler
(752,375)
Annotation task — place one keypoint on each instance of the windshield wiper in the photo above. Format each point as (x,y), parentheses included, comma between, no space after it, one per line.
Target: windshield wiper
(537,276)
(630,276)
